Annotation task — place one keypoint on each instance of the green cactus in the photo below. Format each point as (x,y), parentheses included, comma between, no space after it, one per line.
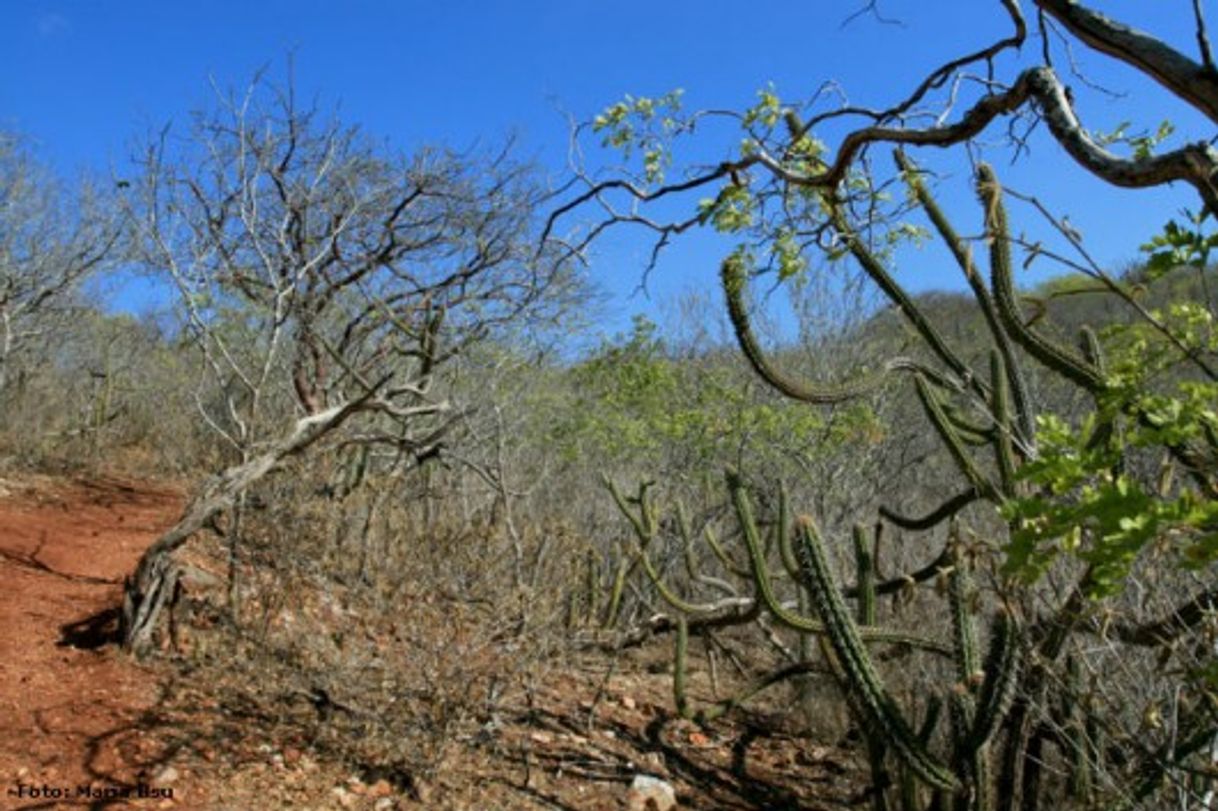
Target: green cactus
(964,258)
(680,652)
(951,438)
(865,566)
(896,294)
(881,714)
(1004,447)
(761,579)
(1001,671)
(734,278)
(1050,354)
(935,517)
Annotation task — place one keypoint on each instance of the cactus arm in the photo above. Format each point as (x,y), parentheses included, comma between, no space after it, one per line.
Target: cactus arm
(1055,357)
(752,540)
(1004,449)
(721,554)
(782,531)
(1002,668)
(879,710)
(644,524)
(1019,389)
(687,543)
(895,584)
(964,635)
(969,431)
(875,269)
(964,461)
(734,277)
(865,566)
(786,548)
(765,588)
(680,650)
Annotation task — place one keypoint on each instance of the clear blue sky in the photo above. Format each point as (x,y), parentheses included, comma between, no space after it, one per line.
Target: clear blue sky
(83,78)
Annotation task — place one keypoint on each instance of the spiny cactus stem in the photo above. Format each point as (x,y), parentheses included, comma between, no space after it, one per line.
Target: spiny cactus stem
(765,588)
(865,568)
(679,668)
(880,711)
(1044,350)
(1004,449)
(734,278)
(964,635)
(875,269)
(964,460)
(724,558)
(964,258)
(1002,667)
(687,542)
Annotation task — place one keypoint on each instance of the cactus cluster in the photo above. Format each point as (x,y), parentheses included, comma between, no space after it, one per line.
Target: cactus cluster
(979,741)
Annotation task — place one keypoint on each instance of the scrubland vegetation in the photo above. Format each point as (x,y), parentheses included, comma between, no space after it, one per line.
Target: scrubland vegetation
(967,536)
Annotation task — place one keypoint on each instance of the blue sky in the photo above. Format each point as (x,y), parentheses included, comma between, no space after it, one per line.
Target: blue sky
(82,79)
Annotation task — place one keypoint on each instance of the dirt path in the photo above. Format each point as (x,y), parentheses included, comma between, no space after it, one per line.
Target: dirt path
(77,719)
(84,727)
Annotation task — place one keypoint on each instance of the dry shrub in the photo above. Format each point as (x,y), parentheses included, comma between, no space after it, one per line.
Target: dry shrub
(383,648)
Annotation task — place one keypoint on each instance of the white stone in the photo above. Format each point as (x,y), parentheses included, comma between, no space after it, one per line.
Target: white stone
(649,793)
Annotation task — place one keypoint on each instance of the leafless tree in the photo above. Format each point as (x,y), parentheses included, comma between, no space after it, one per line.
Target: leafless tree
(324,281)
(51,239)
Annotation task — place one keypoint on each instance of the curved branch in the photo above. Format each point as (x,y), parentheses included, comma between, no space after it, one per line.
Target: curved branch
(1166,630)
(936,516)
(1195,164)
(1191,81)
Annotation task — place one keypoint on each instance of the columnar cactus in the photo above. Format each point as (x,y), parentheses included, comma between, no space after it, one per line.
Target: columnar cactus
(988,755)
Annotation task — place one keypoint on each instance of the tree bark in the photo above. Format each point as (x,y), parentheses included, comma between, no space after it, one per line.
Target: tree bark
(149,588)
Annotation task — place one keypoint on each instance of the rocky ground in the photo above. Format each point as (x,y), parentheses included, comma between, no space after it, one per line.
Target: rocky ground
(87,727)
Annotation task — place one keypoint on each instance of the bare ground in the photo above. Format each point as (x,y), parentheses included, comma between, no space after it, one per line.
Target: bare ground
(80,718)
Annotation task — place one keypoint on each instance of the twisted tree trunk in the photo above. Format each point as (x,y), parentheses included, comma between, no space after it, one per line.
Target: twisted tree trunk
(151,586)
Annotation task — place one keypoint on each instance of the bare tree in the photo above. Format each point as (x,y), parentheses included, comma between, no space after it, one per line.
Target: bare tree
(51,239)
(323,281)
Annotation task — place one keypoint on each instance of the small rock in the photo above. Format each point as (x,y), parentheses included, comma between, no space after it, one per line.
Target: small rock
(357,785)
(384,804)
(628,702)
(345,798)
(421,790)
(541,737)
(166,803)
(381,788)
(291,755)
(649,793)
(698,739)
(166,776)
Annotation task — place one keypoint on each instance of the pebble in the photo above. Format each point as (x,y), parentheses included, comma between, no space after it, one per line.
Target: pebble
(165,776)
(647,793)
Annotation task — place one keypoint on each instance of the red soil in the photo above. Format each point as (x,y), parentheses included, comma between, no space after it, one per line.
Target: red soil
(75,713)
